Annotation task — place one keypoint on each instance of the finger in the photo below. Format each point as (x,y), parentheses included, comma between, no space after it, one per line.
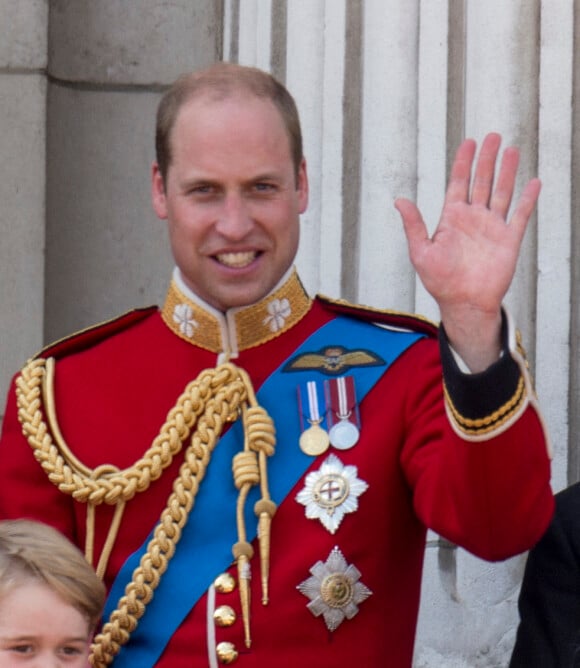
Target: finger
(501,197)
(458,186)
(485,170)
(415,228)
(525,207)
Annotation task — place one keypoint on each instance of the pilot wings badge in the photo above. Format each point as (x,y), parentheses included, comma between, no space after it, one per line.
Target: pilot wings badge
(333,360)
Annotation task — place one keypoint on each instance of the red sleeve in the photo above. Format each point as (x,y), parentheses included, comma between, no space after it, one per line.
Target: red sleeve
(490,495)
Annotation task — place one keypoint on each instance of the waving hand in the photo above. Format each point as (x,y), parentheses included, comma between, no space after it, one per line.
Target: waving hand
(467,265)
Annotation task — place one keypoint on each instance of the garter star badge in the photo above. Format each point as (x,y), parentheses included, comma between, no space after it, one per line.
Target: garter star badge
(334,590)
(331,492)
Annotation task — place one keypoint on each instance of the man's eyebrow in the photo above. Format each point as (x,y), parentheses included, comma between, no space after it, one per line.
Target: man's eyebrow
(188,182)
(265,176)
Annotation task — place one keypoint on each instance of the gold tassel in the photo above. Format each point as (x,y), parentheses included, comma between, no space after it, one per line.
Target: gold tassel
(264,509)
(243,552)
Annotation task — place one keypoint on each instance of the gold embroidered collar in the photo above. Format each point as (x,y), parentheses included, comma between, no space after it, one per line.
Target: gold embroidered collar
(238,328)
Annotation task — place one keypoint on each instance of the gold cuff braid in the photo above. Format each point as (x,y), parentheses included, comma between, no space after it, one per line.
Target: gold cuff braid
(216,397)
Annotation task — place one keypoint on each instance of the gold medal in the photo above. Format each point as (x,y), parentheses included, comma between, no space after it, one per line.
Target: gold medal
(314,440)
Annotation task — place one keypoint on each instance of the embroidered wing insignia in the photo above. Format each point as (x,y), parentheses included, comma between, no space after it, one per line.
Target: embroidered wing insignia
(333,360)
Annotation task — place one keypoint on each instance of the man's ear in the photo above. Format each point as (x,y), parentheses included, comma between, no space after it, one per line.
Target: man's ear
(302,186)
(158,198)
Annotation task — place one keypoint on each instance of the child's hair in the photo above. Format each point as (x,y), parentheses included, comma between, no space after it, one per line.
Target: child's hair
(31,551)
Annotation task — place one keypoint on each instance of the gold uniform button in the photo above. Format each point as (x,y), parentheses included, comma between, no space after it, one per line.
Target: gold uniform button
(224,583)
(224,615)
(226,653)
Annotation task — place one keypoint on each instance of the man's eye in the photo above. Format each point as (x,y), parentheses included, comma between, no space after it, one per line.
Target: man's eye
(264,187)
(202,190)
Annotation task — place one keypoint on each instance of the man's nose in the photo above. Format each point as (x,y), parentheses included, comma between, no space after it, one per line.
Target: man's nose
(234,221)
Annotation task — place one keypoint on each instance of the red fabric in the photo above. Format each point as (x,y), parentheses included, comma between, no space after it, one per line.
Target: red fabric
(493,498)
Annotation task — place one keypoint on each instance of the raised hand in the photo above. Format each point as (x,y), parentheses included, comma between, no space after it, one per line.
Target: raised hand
(467,265)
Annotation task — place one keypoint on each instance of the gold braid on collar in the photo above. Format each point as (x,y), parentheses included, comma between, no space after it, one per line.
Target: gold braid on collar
(218,396)
(239,328)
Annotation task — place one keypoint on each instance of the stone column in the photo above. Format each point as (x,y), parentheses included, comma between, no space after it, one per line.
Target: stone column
(23,32)
(109,61)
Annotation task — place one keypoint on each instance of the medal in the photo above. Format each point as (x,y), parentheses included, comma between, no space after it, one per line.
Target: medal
(334,589)
(314,439)
(344,434)
(343,412)
(331,492)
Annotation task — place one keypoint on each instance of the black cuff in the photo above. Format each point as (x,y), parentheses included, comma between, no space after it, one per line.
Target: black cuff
(480,402)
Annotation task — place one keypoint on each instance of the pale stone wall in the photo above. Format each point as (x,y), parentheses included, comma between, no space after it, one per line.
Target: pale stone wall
(106,251)
(386,90)
(22,180)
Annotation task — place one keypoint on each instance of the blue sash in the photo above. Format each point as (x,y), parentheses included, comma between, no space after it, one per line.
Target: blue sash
(203,552)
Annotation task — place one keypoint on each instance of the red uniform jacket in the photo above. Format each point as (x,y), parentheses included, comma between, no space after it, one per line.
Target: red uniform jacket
(466,457)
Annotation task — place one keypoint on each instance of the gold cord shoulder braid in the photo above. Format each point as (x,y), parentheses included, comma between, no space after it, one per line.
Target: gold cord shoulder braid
(207,404)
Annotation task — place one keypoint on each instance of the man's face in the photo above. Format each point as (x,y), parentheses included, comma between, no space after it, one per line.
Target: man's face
(231,199)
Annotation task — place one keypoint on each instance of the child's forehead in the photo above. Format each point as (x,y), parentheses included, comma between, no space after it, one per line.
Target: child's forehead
(33,607)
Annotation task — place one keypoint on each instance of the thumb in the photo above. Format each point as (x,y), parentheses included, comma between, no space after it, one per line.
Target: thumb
(415,228)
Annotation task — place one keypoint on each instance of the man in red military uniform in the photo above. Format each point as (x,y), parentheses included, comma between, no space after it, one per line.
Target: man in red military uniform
(253,471)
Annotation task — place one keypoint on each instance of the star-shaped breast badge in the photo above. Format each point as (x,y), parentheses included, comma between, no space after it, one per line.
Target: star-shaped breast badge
(334,590)
(331,492)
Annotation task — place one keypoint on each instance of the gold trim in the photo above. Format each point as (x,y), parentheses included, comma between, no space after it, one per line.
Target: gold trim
(85,330)
(196,325)
(254,325)
(380,311)
(490,422)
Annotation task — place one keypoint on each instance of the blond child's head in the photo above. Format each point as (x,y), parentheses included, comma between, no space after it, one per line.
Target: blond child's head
(51,600)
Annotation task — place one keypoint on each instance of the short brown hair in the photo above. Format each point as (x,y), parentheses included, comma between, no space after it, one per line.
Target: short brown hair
(31,551)
(220,81)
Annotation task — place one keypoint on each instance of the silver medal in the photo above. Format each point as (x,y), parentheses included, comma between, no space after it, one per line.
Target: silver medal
(343,435)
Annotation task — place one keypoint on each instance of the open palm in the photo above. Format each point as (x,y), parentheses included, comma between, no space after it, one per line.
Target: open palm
(467,265)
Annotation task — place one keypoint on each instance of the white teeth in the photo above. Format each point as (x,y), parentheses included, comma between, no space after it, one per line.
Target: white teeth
(236,259)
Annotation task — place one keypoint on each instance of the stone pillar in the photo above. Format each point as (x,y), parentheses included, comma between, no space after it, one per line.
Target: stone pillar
(109,61)
(23,32)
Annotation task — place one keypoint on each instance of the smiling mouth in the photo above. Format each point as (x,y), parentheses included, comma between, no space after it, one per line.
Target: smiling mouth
(237,260)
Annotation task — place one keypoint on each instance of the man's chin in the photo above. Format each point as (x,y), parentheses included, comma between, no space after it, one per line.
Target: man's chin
(244,297)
